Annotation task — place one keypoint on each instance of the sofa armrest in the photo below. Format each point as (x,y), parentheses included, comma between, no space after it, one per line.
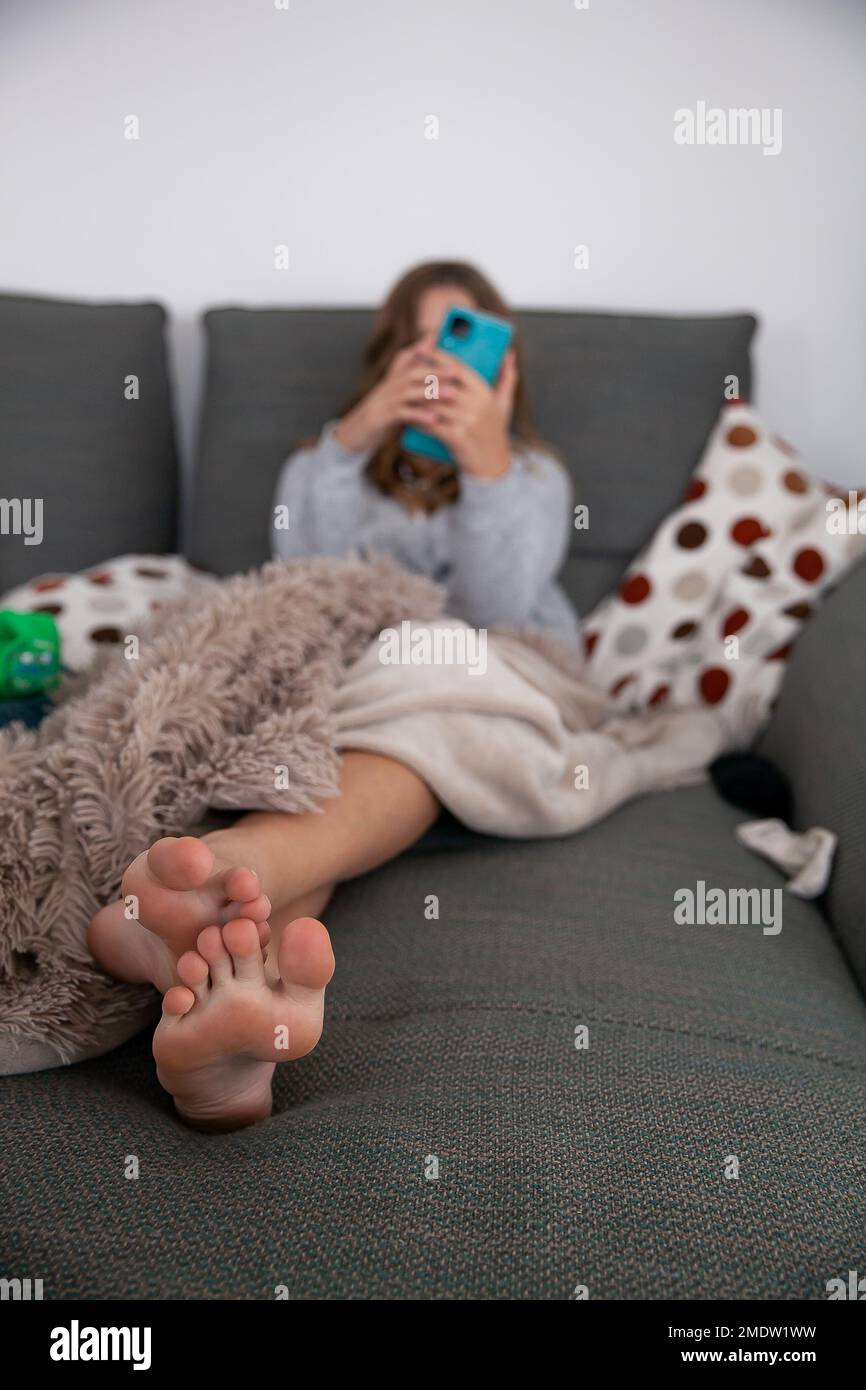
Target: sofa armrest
(817,736)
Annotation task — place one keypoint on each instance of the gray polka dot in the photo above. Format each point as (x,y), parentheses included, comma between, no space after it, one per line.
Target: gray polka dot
(631,640)
(690,585)
(106,603)
(745,480)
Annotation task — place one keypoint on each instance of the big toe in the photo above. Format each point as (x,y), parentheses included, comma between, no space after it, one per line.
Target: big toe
(182,863)
(306,957)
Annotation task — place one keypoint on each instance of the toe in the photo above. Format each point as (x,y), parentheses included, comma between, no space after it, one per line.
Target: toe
(242,886)
(176,1002)
(180,864)
(258,909)
(241,939)
(193,970)
(306,958)
(211,949)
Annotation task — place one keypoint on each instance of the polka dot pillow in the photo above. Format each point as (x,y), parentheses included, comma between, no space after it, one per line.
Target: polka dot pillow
(714,603)
(106,604)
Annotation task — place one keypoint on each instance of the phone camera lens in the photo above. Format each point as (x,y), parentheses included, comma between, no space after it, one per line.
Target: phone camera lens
(459,327)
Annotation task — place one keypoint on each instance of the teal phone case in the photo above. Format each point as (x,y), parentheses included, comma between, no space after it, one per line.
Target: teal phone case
(482,347)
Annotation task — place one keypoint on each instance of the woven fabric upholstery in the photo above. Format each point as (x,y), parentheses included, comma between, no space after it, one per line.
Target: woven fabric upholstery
(103,465)
(454,1039)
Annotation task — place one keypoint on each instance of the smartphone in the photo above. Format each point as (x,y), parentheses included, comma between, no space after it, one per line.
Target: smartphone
(479,340)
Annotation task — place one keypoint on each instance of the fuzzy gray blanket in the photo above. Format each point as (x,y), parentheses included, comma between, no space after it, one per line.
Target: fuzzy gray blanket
(223,692)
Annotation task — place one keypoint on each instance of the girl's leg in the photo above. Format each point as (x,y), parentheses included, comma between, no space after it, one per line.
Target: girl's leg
(268,865)
(382,809)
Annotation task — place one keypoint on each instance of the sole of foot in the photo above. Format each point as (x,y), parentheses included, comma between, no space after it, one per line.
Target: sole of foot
(234,1017)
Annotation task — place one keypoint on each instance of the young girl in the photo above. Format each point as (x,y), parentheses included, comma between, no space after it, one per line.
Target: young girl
(494,531)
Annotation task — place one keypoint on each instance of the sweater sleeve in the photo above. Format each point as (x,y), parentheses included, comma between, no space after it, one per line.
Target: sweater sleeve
(319,500)
(511,537)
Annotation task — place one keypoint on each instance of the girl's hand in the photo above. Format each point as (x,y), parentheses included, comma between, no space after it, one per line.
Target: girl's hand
(470,417)
(391,402)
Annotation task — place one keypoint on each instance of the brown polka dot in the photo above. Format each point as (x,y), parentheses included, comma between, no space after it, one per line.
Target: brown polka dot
(147,572)
(741,436)
(748,530)
(42,586)
(620,684)
(696,488)
(99,577)
(736,619)
(809,565)
(659,695)
(589,642)
(53,608)
(795,482)
(781,653)
(757,568)
(799,610)
(713,684)
(635,589)
(684,631)
(106,634)
(155,603)
(691,535)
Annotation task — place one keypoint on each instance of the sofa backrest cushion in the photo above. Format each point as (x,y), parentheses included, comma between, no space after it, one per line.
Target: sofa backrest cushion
(104,465)
(817,736)
(627,400)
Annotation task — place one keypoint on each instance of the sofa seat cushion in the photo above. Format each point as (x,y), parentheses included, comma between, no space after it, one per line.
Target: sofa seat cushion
(453,1039)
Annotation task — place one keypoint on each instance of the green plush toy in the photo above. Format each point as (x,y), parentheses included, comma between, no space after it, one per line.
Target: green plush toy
(29,654)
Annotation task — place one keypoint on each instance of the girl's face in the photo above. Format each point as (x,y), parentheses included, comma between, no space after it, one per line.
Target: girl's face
(433,304)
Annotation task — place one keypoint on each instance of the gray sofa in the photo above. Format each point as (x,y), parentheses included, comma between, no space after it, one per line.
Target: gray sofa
(450,1045)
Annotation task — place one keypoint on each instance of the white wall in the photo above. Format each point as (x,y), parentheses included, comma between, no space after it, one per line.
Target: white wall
(260,126)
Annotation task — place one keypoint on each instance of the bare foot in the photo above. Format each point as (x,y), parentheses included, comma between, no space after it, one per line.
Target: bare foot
(171,892)
(224,1029)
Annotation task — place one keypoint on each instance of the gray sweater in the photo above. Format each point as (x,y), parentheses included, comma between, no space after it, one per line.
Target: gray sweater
(496,550)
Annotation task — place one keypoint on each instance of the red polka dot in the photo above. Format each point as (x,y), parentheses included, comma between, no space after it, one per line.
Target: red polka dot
(696,488)
(659,695)
(781,653)
(809,565)
(100,577)
(748,530)
(589,642)
(635,589)
(42,585)
(737,618)
(714,683)
(620,684)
